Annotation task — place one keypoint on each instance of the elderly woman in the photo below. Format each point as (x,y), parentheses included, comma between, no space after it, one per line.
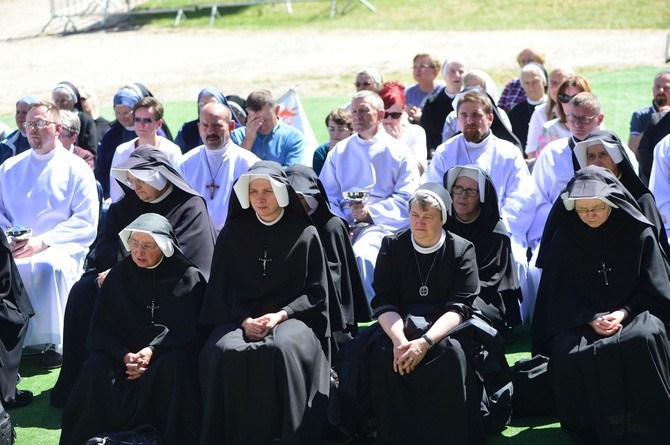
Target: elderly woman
(142,370)
(601,315)
(188,136)
(421,385)
(264,370)
(396,123)
(476,217)
(156,188)
(66,97)
(605,149)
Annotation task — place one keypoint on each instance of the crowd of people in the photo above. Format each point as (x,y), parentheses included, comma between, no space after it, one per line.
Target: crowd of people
(213,286)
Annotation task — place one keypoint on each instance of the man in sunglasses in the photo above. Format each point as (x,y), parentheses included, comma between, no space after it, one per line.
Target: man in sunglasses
(49,199)
(148,119)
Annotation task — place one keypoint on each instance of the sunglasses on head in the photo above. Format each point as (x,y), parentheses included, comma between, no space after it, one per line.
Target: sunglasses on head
(393,115)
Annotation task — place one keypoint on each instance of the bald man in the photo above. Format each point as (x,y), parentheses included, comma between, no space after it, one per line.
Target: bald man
(212,167)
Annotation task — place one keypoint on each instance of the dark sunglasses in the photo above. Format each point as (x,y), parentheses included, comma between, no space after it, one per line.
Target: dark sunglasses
(144,120)
(564,98)
(362,84)
(393,115)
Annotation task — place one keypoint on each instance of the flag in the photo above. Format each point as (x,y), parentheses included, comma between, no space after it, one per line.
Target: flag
(292,113)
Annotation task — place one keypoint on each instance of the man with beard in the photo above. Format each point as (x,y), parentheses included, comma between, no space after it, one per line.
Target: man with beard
(500,159)
(212,168)
(640,118)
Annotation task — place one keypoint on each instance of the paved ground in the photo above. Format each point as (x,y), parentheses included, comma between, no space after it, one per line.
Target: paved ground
(176,63)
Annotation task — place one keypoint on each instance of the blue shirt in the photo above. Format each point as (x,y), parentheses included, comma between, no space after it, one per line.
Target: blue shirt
(284,144)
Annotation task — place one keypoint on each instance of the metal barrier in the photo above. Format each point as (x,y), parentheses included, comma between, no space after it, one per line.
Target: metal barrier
(67,10)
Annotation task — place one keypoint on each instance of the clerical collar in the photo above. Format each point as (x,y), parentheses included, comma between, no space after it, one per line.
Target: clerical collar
(44,156)
(156,265)
(479,212)
(273,222)
(480,144)
(434,248)
(163,196)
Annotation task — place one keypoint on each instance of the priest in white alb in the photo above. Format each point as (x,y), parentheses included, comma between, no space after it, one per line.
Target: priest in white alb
(384,173)
(52,192)
(212,167)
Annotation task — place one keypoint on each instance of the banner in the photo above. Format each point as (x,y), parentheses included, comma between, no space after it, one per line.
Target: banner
(292,113)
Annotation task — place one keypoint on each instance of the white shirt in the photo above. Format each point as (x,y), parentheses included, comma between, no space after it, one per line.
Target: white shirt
(200,166)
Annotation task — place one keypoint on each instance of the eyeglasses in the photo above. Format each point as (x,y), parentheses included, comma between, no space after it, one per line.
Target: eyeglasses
(422,66)
(362,84)
(458,190)
(146,247)
(337,129)
(39,123)
(582,120)
(393,114)
(142,120)
(597,209)
(564,98)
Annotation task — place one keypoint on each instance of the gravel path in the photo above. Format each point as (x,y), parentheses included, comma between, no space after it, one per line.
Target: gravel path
(176,63)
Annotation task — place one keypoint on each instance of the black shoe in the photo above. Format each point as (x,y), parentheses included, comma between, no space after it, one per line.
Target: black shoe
(51,359)
(21,399)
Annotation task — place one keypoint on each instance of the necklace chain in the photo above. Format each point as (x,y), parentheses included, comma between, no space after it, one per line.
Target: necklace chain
(423,290)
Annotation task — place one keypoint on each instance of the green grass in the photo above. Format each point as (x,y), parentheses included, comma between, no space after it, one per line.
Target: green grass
(425,15)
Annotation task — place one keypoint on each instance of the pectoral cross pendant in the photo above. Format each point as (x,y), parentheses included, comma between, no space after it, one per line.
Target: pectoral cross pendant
(152,308)
(604,271)
(212,188)
(265,259)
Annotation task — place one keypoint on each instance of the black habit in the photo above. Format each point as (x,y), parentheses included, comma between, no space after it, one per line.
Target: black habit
(500,292)
(440,397)
(347,302)
(433,114)
(189,218)
(15,312)
(519,116)
(275,388)
(138,308)
(608,389)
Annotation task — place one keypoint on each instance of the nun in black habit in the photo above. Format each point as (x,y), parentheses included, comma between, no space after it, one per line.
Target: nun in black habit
(602,309)
(421,384)
(264,370)
(605,149)
(144,340)
(15,312)
(476,217)
(347,302)
(163,191)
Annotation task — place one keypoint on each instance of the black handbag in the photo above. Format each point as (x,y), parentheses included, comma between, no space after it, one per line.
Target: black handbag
(142,435)
(533,395)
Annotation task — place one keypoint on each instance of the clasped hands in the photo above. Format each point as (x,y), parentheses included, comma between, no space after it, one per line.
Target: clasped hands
(137,362)
(408,355)
(360,212)
(25,248)
(609,324)
(257,328)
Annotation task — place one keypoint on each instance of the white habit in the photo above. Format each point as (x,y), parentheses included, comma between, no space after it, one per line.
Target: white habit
(659,180)
(386,167)
(201,167)
(123,151)
(55,195)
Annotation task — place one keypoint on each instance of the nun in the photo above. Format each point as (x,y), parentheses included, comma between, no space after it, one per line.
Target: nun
(264,370)
(602,309)
(476,217)
(144,340)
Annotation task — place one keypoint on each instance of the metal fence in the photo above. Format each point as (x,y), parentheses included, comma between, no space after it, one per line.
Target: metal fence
(67,11)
